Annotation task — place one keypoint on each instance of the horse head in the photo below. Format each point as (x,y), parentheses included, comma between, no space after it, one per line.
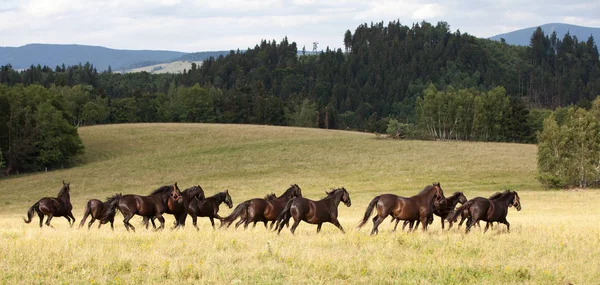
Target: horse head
(516,201)
(64,190)
(439,193)
(297,192)
(176,193)
(271,196)
(461,197)
(228,201)
(113,201)
(346,198)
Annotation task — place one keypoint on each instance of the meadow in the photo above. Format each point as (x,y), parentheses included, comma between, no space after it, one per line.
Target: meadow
(554,239)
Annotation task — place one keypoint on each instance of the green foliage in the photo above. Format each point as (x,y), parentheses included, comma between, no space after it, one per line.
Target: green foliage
(37,133)
(569,153)
(305,115)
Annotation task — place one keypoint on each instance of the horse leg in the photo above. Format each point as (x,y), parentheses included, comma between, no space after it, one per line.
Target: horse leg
(112,227)
(212,222)
(266,222)
(72,217)
(48,220)
(337,224)
(396,226)
(443,224)
(295,225)
(462,220)
(319,227)
(470,223)
(424,222)
(41,218)
(271,225)
(161,220)
(487,225)
(91,222)
(127,224)
(376,224)
(195,221)
(241,221)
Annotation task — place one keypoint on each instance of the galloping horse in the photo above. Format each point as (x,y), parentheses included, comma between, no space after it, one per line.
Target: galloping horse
(209,207)
(443,208)
(178,208)
(53,207)
(102,211)
(261,210)
(150,206)
(465,213)
(314,212)
(489,210)
(418,207)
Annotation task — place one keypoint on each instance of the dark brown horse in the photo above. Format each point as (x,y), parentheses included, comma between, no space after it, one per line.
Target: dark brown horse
(209,207)
(104,212)
(489,210)
(442,208)
(314,212)
(261,210)
(179,208)
(150,206)
(465,213)
(53,207)
(415,208)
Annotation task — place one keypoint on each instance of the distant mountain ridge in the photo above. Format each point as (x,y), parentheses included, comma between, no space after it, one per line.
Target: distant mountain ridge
(101,57)
(522,37)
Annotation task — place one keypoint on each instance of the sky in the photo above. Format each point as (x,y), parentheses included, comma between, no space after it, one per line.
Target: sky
(198,25)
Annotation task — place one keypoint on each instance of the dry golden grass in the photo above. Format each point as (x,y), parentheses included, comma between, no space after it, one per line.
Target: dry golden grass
(554,239)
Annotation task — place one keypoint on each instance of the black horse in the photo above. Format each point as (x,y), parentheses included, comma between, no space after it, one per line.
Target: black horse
(465,213)
(416,208)
(104,212)
(314,212)
(153,205)
(261,210)
(179,208)
(208,207)
(489,210)
(53,207)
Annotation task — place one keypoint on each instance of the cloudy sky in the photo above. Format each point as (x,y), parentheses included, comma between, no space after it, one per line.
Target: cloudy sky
(198,25)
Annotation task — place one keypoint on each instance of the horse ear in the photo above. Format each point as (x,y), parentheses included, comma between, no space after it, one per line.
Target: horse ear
(227,191)
(64,182)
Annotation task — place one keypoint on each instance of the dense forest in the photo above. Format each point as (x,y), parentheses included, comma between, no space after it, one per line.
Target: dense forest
(427,81)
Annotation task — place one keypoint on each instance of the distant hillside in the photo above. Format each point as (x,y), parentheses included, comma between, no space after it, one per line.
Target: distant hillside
(101,57)
(522,37)
(167,67)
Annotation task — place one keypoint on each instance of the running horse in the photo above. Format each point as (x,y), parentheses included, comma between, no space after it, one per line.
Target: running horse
(153,205)
(53,207)
(442,208)
(261,210)
(314,212)
(416,208)
(208,207)
(178,208)
(490,210)
(104,212)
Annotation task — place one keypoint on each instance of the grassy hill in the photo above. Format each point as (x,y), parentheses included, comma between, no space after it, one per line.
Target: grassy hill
(552,240)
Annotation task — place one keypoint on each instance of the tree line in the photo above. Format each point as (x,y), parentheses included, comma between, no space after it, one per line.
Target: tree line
(422,80)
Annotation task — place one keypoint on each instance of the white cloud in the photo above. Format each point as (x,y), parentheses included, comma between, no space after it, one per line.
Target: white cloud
(428,11)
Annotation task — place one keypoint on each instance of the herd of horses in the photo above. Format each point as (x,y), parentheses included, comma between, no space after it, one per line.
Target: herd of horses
(169,199)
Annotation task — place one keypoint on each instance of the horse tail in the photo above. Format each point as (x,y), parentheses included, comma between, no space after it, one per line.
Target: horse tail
(36,208)
(86,213)
(369,211)
(459,211)
(241,208)
(285,215)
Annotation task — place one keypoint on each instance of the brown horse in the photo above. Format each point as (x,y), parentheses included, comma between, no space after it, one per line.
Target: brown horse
(465,213)
(415,208)
(261,210)
(179,208)
(153,205)
(104,212)
(489,210)
(442,208)
(209,207)
(53,207)
(314,212)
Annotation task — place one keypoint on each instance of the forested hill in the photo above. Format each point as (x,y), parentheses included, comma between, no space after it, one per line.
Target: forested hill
(423,81)
(522,37)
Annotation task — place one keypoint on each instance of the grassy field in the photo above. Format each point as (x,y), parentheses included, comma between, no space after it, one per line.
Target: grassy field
(554,239)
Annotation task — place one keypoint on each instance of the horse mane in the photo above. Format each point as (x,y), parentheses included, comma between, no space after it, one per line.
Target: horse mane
(287,192)
(271,196)
(333,191)
(497,195)
(163,190)
(113,198)
(427,189)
